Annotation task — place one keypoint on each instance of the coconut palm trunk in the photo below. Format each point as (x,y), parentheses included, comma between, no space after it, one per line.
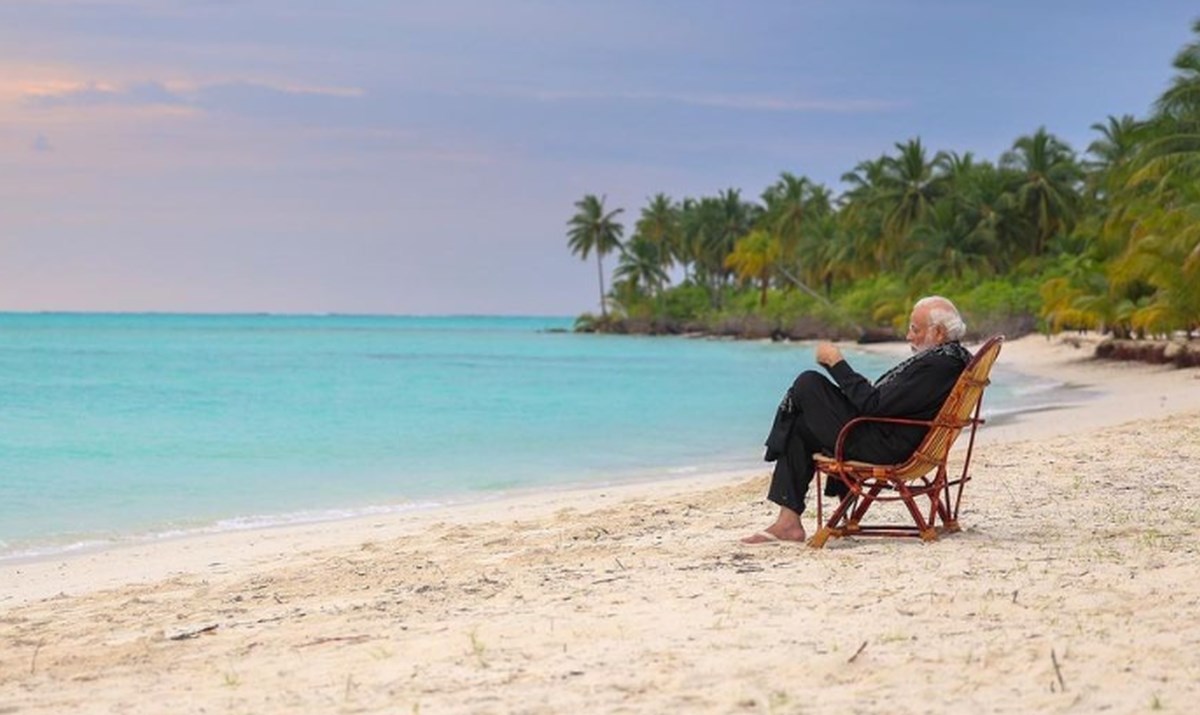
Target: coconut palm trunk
(600,273)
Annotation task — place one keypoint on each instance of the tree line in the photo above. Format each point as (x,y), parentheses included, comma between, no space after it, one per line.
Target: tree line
(1106,240)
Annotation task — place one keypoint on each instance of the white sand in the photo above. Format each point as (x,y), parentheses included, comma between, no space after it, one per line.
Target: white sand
(1073,588)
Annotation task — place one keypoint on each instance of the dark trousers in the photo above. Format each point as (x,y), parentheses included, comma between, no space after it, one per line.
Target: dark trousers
(818,412)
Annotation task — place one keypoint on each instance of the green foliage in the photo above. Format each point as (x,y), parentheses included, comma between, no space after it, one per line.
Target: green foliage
(754,257)
(880,301)
(590,323)
(1003,297)
(743,301)
(783,306)
(1108,241)
(685,302)
(1001,305)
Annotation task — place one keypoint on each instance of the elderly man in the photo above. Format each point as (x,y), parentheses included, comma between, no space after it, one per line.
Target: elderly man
(814,410)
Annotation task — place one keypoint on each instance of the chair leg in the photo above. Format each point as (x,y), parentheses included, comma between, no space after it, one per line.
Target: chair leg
(847,502)
(943,504)
(830,528)
(924,528)
(856,515)
(818,539)
(936,509)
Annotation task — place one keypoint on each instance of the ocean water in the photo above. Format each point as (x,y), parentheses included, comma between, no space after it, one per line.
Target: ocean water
(120,427)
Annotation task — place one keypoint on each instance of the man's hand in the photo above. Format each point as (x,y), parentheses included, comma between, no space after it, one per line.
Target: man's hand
(828,354)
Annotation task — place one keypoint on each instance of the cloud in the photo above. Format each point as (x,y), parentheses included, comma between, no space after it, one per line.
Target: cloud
(744,102)
(224,95)
(92,94)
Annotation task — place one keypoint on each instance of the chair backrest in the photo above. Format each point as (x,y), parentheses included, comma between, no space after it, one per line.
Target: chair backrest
(957,412)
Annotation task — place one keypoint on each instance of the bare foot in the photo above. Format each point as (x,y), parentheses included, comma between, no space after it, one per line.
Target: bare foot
(776,533)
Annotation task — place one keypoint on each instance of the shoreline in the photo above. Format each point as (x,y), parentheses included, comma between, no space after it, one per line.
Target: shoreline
(51,550)
(152,557)
(1067,355)
(48,550)
(32,550)
(638,597)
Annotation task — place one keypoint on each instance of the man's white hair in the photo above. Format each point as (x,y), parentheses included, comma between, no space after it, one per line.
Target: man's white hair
(942,312)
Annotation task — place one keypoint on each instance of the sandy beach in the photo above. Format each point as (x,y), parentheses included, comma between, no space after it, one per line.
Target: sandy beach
(1074,588)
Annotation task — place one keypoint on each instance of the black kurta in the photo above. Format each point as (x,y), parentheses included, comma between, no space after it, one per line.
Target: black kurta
(816,409)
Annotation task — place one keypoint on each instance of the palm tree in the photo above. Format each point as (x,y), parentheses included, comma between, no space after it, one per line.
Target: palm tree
(738,217)
(946,246)
(1182,98)
(753,258)
(1163,253)
(641,266)
(819,229)
(1113,152)
(838,259)
(910,184)
(710,228)
(785,210)
(1161,206)
(1047,189)
(864,183)
(1173,149)
(860,216)
(986,209)
(954,164)
(1080,298)
(701,223)
(593,230)
(659,225)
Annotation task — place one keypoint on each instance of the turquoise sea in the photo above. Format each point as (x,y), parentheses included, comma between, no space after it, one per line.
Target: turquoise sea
(130,426)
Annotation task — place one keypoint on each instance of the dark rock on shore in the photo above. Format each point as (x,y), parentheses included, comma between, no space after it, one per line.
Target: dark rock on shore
(757,327)
(1158,352)
(877,335)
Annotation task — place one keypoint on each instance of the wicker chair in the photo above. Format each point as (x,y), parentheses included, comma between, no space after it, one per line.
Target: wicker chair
(921,476)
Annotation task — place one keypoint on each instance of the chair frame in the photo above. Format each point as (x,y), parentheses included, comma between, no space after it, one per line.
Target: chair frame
(911,479)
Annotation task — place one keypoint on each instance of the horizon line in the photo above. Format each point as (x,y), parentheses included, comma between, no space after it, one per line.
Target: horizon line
(280,314)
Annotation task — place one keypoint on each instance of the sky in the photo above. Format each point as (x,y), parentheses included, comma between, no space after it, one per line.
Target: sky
(414,157)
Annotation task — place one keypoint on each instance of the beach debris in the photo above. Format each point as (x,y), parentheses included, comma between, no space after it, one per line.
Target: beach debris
(858,652)
(33,660)
(1062,686)
(188,633)
(484,585)
(335,639)
(477,647)
(739,562)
